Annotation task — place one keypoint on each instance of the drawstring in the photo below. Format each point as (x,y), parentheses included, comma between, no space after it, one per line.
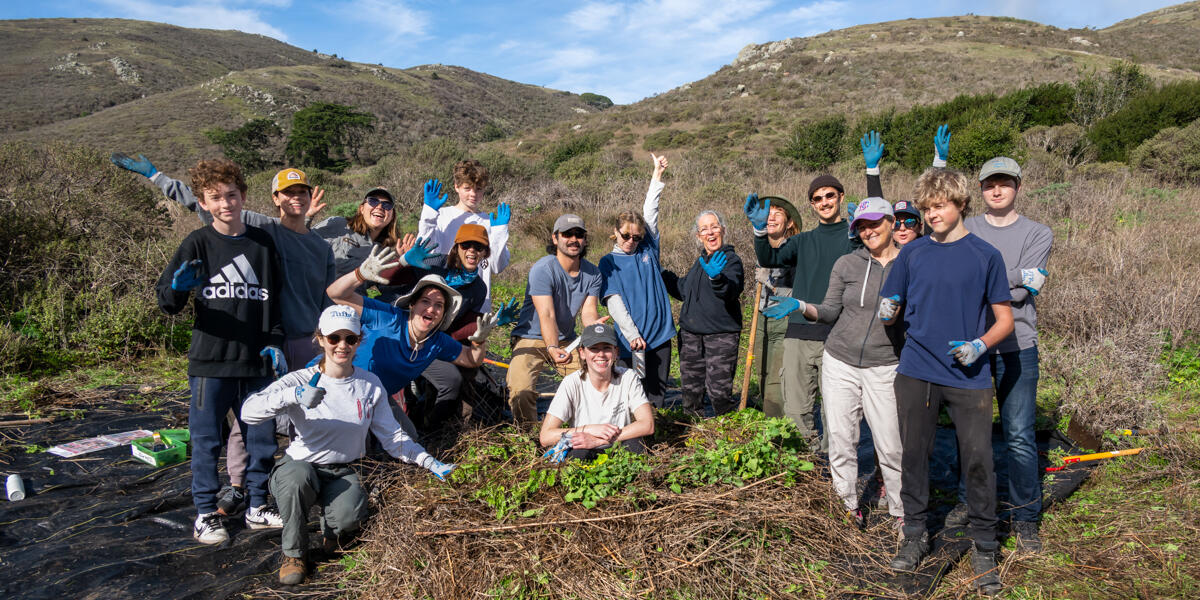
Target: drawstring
(862,294)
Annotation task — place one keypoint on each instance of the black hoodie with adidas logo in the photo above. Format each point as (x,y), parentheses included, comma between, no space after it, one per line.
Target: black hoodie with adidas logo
(237,306)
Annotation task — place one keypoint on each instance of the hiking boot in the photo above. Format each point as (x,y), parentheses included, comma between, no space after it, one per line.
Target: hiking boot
(291,572)
(957,517)
(987,572)
(855,518)
(912,550)
(231,500)
(263,517)
(209,529)
(1026,533)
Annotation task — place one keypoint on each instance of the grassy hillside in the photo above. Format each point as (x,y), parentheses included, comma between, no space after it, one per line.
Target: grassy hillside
(55,69)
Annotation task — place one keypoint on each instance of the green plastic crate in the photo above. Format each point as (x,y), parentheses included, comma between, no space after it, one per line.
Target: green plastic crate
(181,436)
(176,451)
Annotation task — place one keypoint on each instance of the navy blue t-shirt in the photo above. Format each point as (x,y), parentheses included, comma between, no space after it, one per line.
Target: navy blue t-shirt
(386,351)
(947,290)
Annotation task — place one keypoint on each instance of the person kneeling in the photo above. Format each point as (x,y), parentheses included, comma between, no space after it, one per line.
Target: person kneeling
(603,403)
(332,406)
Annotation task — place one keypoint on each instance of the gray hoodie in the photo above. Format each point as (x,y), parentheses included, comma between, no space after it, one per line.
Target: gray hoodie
(858,338)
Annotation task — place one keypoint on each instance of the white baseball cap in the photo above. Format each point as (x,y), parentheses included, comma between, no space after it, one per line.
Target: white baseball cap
(337,318)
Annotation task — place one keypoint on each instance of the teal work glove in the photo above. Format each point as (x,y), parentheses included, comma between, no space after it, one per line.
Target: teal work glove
(509,312)
(967,352)
(872,149)
(278,362)
(888,308)
(715,264)
(309,396)
(502,215)
(433,187)
(941,146)
(757,212)
(422,255)
(187,277)
(1033,279)
(141,165)
(782,306)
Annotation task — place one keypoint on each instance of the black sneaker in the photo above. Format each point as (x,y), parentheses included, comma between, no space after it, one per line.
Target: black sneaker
(231,500)
(1026,533)
(957,517)
(987,571)
(912,550)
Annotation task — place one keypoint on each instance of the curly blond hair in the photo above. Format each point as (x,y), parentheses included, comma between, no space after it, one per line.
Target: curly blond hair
(942,184)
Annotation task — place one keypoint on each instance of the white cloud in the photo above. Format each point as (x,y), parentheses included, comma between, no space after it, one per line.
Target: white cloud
(204,15)
(595,16)
(817,10)
(392,19)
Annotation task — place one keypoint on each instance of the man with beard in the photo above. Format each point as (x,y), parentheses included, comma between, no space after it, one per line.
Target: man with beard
(560,286)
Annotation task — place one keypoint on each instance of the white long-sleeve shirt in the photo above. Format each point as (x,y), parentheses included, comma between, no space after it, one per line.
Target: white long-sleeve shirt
(442,226)
(335,431)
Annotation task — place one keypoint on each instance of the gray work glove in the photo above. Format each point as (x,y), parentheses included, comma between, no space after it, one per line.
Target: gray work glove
(483,326)
(379,260)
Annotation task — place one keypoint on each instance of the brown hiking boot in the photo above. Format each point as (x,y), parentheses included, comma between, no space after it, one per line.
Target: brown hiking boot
(291,572)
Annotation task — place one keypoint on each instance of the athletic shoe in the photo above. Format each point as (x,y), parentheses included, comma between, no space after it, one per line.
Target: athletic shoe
(209,529)
(263,517)
(957,517)
(987,572)
(231,500)
(912,550)
(291,572)
(1026,533)
(855,518)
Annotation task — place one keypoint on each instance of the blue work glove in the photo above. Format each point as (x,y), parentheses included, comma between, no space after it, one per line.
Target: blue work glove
(941,146)
(967,352)
(782,306)
(278,362)
(141,165)
(187,276)
(309,396)
(757,212)
(509,312)
(888,308)
(502,215)
(872,149)
(558,452)
(715,264)
(433,187)
(1033,279)
(422,255)
(440,469)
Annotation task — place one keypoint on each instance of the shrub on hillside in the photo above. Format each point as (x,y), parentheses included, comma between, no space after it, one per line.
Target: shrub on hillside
(575,145)
(596,100)
(1099,95)
(81,247)
(1172,105)
(667,138)
(327,136)
(815,145)
(245,145)
(984,139)
(1173,154)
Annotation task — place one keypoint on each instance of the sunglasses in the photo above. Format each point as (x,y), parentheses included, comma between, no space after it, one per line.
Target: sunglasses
(908,222)
(476,246)
(335,339)
(386,204)
(630,236)
(576,233)
(827,196)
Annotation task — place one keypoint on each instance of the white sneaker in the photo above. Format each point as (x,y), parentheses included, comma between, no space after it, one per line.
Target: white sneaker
(263,517)
(209,529)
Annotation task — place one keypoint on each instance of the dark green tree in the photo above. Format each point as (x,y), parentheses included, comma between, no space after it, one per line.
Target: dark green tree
(327,136)
(815,145)
(596,100)
(245,145)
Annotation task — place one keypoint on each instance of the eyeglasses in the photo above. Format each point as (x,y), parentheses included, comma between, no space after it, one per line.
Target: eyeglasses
(385,204)
(908,222)
(335,339)
(579,234)
(827,196)
(630,236)
(476,246)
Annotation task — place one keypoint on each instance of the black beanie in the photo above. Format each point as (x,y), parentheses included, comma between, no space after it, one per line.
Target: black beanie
(824,181)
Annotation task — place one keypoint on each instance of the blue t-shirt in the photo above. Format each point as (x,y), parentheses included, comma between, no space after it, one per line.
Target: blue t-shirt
(386,351)
(947,290)
(637,279)
(547,278)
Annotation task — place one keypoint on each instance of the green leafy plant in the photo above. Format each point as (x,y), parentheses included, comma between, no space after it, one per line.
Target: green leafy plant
(608,475)
(746,446)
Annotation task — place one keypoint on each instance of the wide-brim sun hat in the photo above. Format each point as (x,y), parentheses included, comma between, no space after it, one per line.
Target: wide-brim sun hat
(792,212)
(453,298)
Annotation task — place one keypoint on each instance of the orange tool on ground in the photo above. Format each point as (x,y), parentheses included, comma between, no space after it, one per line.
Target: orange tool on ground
(1070,460)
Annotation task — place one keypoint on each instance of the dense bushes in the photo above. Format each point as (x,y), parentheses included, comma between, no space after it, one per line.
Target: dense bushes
(1173,153)
(816,145)
(575,145)
(326,136)
(81,246)
(1172,105)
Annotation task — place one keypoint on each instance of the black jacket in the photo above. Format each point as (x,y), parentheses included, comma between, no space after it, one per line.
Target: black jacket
(237,306)
(709,305)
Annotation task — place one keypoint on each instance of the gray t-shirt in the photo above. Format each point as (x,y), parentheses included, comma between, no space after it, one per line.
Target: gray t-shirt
(547,278)
(1025,244)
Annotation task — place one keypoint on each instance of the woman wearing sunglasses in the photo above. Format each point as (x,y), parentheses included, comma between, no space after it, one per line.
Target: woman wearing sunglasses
(351,239)
(333,406)
(634,292)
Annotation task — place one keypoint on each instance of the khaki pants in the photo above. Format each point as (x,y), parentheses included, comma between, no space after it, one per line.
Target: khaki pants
(529,357)
(802,384)
(769,354)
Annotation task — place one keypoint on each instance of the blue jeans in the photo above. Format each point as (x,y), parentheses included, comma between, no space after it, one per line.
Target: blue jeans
(1016,378)
(212,397)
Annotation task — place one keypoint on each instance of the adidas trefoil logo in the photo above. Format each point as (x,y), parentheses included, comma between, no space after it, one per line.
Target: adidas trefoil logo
(236,280)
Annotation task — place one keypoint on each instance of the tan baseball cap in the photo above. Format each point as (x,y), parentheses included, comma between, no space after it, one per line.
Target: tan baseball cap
(287,178)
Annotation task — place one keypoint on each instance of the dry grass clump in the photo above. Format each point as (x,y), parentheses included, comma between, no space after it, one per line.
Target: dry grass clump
(777,535)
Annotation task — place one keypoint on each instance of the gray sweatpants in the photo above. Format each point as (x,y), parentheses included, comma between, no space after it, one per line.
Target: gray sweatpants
(297,485)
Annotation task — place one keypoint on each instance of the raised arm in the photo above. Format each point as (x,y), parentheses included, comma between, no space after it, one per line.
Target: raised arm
(431,204)
(341,291)
(654,194)
(498,237)
(872,149)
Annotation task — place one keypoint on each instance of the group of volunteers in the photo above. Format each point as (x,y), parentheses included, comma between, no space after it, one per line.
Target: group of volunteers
(887,317)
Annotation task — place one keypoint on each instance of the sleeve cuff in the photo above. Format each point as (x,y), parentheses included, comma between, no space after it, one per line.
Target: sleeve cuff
(873,170)
(760,232)
(939,162)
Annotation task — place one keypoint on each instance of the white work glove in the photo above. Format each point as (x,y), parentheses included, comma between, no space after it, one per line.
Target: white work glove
(1033,280)
(483,326)
(379,260)
(967,352)
(309,396)
(888,308)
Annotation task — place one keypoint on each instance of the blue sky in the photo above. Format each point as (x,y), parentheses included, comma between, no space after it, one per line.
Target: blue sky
(624,50)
